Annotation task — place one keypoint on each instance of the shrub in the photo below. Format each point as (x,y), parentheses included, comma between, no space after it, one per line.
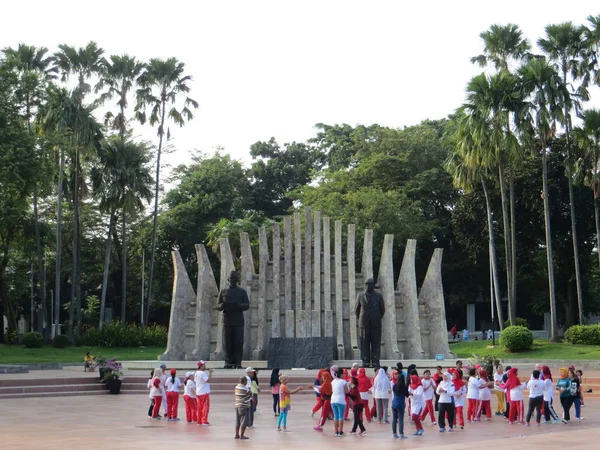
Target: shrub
(115,334)
(61,341)
(583,334)
(32,340)
(516,339)
(520,323)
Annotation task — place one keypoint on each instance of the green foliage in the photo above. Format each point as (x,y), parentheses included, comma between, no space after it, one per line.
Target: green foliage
(61,341)
(516,339)
(488,362)
(32,340)
(520,322)
(115,334)
(583,334)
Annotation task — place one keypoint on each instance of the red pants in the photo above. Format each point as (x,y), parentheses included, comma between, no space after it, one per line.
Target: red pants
(203,408)
(367,409)
(318,405)
(172,404)
(191,408)
(458,416)
(516,411)
(484,405)
(157,402)
(417,420)
(428,409)
(472,409)
(325,412)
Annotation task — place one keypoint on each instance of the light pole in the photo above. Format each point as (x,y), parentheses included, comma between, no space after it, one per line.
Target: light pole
(32,294)
(143,284)
(492,303)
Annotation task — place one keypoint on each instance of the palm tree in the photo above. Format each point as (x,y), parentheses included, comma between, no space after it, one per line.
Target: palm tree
(162,82)
(83,63)
(547,93)
(563,46)
(35,70)
(591,45)
(122,181)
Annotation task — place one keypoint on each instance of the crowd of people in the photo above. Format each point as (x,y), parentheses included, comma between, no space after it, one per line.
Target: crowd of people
(444,397)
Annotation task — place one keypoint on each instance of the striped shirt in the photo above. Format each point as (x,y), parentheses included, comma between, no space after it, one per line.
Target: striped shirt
(243,396)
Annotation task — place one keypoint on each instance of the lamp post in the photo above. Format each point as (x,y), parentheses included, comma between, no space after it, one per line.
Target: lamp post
(32,295)
(492,303)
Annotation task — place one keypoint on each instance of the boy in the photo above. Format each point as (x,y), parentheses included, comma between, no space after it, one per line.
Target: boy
(536,397)
(243,400)
(429,387)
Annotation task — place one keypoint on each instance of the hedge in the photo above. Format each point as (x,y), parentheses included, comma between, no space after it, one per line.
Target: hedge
(115,334)
(583,334)
(516,339)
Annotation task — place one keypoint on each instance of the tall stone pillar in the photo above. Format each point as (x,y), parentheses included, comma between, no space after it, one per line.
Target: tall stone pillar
(339,297)
(277,298)
(352,294)
(407,289)
(367,256)
(316,314)
(227,267)
(385,280)
(327,311)
(247,275)
(308,236)
(471,323)
(261,320)
(298,306)
(290,324)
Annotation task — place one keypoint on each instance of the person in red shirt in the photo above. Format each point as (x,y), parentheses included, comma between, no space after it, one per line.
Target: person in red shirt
(364,384)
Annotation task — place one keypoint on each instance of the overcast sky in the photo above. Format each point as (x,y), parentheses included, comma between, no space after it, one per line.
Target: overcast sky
(276,68)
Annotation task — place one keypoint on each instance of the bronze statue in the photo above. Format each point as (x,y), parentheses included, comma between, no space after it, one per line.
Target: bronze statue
(369,311)
(233,302)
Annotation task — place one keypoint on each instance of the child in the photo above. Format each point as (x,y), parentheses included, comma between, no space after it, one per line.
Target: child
(579,374)
(506,393)
(357,407)
(566,400)
(485,396)
(156,393)
(243,400)
(500,408)
(285,403)
(317,389)
(163,379)
(274,383)
(326,392)
(472,396)
(149,386)
(446,390)
(515,388)
(460,390)
(88,362)
(202,380)
(576,392)
(364,385)
(417,403)
(189,397)
(400,392)
(428,393)
(172,386)
(549,413)
(536,397)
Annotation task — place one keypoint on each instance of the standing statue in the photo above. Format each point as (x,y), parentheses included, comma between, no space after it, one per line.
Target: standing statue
(369,311)
(233,302)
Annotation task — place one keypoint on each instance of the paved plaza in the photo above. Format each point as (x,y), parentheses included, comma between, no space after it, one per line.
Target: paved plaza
(120,422)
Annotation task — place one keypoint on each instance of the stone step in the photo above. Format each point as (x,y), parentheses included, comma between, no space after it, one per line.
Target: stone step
(41,388)
(50,381)
(53,394)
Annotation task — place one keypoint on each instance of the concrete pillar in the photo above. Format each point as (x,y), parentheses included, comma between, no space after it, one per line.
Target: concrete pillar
(278,301)
(308,236)
(385,280)
(339,297)
(327,311)
(407,289)
(350,258)
(246,277)
(316,314)
(288,274)
(226,267)
(298,305)
(183,295)
(367,256)
(261,320)
(471,322)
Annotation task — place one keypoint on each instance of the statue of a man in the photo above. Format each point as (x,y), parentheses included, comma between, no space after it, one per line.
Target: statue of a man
(233,302)
(369,311)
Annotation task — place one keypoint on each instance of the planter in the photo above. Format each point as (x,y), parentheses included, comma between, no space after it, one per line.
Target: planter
(114,386)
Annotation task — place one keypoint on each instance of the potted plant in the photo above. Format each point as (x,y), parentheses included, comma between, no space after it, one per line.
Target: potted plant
(113,371)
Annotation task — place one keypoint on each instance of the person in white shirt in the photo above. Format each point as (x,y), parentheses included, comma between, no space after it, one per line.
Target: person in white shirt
(549,413)
(202,380)
(189,397)
(536,397)
(417,403)
(485,396)
(445,407)
(472,395)
(339,388)
(163,378)
(428,393)
(149,386)
(381,394)
(501,406)
(172,386)
(156,393)
(460,391)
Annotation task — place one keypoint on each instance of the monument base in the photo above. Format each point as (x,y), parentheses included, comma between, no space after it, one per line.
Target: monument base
(307,353)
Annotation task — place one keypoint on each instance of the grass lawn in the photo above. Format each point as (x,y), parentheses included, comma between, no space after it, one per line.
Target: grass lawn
(542,349)
(14,354)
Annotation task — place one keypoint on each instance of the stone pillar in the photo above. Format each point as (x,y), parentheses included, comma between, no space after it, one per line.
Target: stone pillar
(206,298)
(289,268)
(226,267)
(385,281)
(339,297)
(432,295)
(407,289)
(246,277)
(298,306)
(277,299)
(308,270)
(471,323)
(352,294)
(183,295)
(327,311)
(316,314)
(367,257)
(263,260)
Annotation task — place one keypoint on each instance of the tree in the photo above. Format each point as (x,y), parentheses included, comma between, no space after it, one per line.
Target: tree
(563,46)
(161,84)
(547,93)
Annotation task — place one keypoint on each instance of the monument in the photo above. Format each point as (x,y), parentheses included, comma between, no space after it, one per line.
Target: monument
(370,308)
(306,286)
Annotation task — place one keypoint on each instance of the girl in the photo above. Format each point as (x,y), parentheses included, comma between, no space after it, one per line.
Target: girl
(400,390)
(549,413)
(189,397)
(326,392)
(285,403)
(317,389)
(172,386)
(357,407)
(149,386)
(340,389)
(579,374)
(364,385)
(485,396)
(446,390)
(566,400)
(460,390)
(472,396)
(417,402)
(381,394)
(501,407)
(274,383)
(428,392)
(576,392)
(514,386)
(156,393)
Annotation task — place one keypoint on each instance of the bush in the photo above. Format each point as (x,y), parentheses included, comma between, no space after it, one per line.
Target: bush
(520,323)
(61,341)
(115,334)
(583,334)
(32,340)
(516,339)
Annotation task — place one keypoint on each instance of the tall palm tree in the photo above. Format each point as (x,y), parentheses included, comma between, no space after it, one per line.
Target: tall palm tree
(563,45)
(162,83)
(546,93)
(36,68)
(591,45)
(122,181)
(83,63)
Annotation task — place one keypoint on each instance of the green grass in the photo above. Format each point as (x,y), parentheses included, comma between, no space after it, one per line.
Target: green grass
(16,354)
(542,349)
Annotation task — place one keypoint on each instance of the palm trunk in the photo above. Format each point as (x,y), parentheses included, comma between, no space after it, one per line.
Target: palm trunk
(124,271)
(492,244)
(513,244)
(155,215)
(106,269)
(57,280)
(553,319)
(505,219)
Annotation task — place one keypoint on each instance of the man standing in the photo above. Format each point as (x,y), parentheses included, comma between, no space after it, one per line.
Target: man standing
(369,311)
(233,302)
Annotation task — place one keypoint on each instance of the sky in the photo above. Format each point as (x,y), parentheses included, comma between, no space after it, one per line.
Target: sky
(265,69)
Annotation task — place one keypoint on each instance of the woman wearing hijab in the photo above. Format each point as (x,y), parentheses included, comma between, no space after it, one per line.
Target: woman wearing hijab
(417,403)
(460,391)
(549,412)
(317,389)
(514,386)
(326,392)
(364,386)
(446,390)
(566,400)
(381,393)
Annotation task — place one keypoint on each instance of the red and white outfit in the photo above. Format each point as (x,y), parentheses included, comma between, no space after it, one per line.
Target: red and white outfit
(472,398)
(514,387)
(417,401)
(364,385)
(172,386)
(202,395)
(459,402)
(428,394)
(485,397)
(157,395)
(189,397)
